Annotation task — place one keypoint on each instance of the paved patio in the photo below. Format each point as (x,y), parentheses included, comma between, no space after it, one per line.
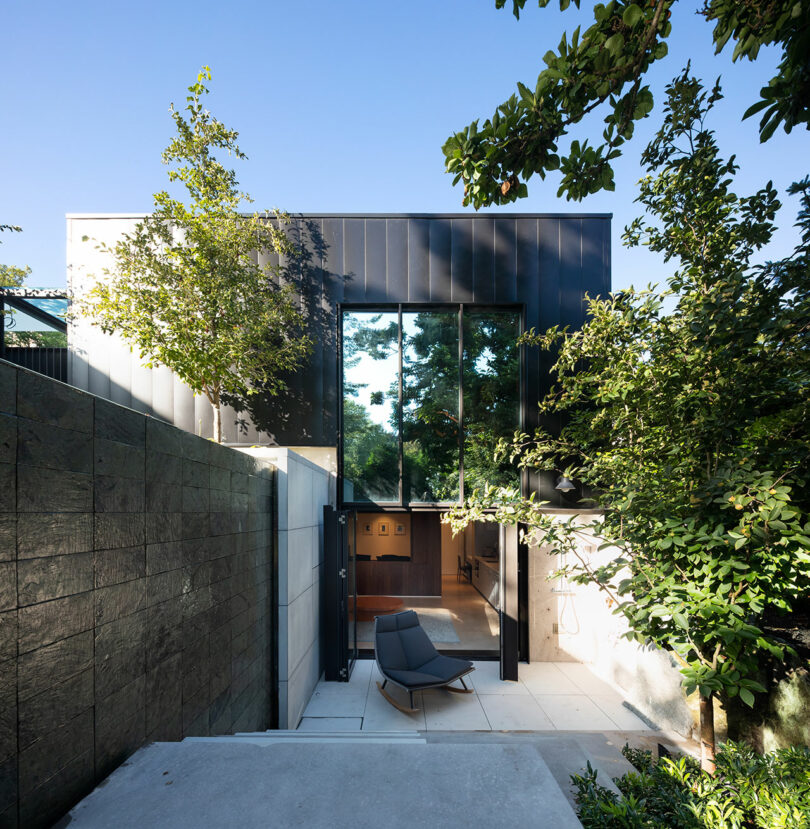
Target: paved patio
(549,696)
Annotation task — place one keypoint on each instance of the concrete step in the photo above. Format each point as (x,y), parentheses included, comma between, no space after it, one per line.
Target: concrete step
(266,738)
(233,782)
(564,754)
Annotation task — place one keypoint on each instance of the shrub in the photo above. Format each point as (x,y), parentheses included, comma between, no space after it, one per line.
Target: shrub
(748,790)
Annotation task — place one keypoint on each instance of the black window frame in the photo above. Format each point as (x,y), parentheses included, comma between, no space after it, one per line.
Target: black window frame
(409,307)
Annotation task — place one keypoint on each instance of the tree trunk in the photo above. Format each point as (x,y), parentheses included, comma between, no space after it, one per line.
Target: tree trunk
(707,733)
(217,421)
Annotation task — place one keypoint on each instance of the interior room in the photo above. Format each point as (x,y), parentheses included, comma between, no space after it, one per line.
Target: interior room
(411,561)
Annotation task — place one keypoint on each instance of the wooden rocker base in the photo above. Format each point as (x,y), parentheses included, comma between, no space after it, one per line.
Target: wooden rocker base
(396,705)
(400,707)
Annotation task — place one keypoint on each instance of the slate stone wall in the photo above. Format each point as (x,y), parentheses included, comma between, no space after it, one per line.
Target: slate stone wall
(136,569)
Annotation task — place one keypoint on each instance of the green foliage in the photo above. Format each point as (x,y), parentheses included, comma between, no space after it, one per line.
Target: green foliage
(36,339)
(686,412)
(748,790)
(187,289)
(604,69)
(12,276)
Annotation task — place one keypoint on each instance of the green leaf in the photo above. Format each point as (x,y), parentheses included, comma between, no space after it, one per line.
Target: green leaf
(747,697)
(631,15)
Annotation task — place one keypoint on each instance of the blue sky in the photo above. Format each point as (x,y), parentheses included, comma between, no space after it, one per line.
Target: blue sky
(341,107)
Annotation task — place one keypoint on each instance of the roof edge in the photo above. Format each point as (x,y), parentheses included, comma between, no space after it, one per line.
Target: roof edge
(377,215)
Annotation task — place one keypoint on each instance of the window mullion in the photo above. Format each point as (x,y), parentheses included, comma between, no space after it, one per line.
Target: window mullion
(399,415)
(461,403)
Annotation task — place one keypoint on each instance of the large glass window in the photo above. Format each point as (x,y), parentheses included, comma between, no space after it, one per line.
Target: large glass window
(491,388)
(371,406)
(430,416)
(426,396)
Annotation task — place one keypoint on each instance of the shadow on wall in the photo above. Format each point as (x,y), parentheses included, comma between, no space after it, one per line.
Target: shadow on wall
(306,410)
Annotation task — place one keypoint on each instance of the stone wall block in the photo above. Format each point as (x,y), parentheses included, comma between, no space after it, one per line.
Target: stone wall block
(43,399)
(163,526)
(52,490)
(42,579)
(8,536)
(114,494)
(194,448)
(118,459)
(116,423)
(53,664)
(8,388)
(164,438)
(54,533)
(42,444)
(162,468)
(118,530)
(119,565)
(46,757)
(119,600)
(8,438)
(42,624)
(42,714)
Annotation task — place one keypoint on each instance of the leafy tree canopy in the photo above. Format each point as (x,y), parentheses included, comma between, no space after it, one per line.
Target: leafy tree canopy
(187,288)
(604,69)
(692,424)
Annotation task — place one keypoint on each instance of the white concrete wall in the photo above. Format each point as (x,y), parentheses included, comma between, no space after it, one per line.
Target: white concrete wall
(106,365)
(578,625)
(303,489)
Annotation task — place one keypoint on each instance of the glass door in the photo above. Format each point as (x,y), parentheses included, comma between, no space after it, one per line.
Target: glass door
(341,593)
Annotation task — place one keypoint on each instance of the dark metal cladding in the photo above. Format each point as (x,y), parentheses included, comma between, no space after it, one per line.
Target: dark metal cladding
(545,263)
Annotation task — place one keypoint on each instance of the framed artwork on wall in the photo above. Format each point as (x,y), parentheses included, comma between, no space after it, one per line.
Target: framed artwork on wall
(382,528)
(367,528)
(399,529)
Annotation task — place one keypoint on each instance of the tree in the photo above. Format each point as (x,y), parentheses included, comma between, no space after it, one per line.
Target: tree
(187,289)
(12,276)
(604,69)
(690,425)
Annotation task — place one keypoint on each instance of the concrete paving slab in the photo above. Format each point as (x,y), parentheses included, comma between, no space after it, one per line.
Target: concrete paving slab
(574,713)
(211,785)
(586,680)
(546,678)
(486,679)
(330,724)
(445,711)
(336,704)
(624,718)
(380,715)
(514,713)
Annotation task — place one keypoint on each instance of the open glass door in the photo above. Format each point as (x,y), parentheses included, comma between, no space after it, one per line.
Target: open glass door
(341,593)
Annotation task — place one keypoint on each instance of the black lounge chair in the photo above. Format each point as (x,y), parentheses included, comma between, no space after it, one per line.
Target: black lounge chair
(407,658)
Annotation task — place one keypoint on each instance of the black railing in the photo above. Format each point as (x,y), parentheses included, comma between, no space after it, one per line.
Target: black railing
(51,362)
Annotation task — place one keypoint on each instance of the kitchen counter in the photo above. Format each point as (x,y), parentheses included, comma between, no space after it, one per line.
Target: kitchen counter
(486,578)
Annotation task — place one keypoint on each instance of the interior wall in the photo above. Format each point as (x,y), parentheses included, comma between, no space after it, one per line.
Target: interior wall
(383,534)
(452,548)
(420,576)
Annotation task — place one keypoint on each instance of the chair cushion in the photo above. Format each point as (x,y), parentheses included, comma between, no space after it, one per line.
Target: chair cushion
(439,671)
(406,655)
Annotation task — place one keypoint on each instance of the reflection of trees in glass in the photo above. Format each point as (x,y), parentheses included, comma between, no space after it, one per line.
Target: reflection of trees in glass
(430,415)
(430,406)
(370,449)
(370,457)
(491,384)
